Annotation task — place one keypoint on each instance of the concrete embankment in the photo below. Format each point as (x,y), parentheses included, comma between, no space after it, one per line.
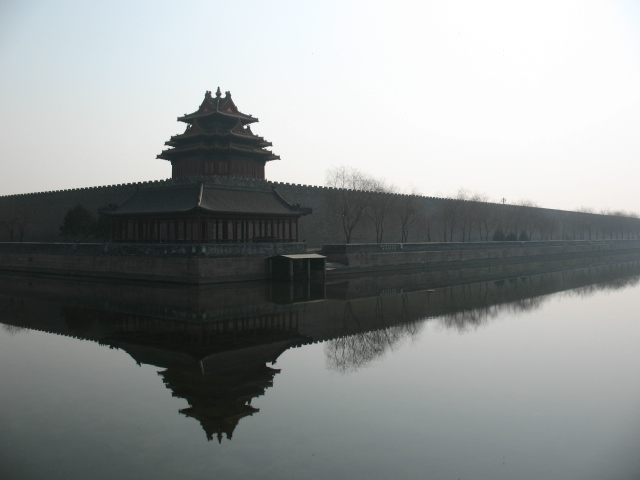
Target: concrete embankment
(216,263)
(362,258)
(176,263)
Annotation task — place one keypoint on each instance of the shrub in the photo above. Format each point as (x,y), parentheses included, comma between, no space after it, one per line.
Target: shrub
(511,237)
(78,223)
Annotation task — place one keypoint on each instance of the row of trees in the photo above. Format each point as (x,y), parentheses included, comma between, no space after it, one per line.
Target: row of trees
(362,201)
(79,223)
(360,198)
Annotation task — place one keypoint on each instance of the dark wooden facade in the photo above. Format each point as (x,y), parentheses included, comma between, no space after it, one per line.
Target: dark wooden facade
(200,212)
(204,229)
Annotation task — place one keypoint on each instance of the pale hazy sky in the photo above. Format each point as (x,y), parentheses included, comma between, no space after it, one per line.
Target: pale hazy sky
(523,100)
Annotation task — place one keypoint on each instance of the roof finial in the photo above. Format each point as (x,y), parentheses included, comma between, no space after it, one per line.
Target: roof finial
(218,92)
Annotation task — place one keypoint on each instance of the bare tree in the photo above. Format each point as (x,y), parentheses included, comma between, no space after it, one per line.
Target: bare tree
(478,214)
(625,223)
(407,209)
(470,212)
(465,213)
(546,226)
(425,220)
(450,214)
(381,202)
(351,199)
(525,213)
(15,220)
(7,221)
(487,216)
(584,222)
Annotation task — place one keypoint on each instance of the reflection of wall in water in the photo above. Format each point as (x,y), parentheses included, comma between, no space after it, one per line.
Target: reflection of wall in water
(197,316)
(213,347)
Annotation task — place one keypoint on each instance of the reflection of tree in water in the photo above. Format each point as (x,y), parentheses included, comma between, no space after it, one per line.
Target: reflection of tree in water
(472,306)
(14,311)
(536,295)
(465,320)
(351,352)
(368,335)
(13,330)
(609,286)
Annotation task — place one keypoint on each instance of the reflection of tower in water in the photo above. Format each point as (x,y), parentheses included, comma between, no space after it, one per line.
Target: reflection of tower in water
(217,367)
(219,401)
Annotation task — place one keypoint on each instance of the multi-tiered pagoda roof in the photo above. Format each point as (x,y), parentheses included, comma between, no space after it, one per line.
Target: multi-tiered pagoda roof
(218,141)
(208,208)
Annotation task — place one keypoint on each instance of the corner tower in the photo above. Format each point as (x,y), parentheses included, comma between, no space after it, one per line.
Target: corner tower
(218,141)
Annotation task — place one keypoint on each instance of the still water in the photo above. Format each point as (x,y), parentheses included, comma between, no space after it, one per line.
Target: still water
(517,372)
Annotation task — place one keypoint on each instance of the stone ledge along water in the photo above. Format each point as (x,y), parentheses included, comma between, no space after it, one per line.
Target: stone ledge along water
(209,263)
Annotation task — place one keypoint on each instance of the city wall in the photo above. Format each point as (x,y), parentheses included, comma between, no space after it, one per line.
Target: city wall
(36,217)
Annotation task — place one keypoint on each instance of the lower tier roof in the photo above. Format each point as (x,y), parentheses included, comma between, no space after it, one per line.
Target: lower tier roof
(201,197)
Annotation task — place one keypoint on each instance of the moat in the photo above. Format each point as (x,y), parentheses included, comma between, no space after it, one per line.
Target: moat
(490,373)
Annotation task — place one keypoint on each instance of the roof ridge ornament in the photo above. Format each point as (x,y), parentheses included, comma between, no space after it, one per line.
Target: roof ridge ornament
(218,92)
